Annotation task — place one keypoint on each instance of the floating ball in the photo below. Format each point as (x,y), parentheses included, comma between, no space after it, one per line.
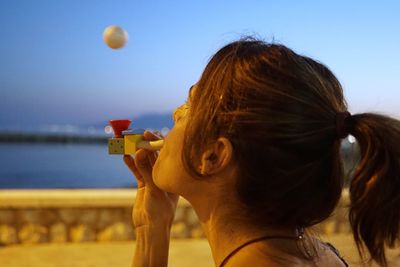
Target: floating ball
(115,37)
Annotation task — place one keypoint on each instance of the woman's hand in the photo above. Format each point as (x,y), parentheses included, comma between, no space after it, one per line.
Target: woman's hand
(153,211)
(153,207)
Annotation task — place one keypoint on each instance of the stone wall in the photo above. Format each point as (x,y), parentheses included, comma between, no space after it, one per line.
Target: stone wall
(36,216)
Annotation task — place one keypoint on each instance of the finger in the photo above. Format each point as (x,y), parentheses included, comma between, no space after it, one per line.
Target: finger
(129,161)
(144,166)
(153,157)
(149,136)
(139,199)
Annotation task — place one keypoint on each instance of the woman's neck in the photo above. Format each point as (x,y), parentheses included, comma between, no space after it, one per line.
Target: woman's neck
(225,229)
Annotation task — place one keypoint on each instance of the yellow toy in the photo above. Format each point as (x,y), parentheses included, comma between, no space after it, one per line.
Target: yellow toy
(128,141)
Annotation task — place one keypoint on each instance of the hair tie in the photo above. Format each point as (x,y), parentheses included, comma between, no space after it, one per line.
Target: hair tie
(342,124)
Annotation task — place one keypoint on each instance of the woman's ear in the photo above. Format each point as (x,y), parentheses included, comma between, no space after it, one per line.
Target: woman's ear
(216,157)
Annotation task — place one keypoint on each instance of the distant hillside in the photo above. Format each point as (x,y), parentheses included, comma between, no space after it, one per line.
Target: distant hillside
(153,121)
(89,133)
(147,121)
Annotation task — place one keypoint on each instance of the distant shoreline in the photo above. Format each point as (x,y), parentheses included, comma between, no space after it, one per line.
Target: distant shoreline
(10,137)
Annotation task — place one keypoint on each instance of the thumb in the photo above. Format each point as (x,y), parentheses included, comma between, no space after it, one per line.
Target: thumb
(144,166)
(149,136)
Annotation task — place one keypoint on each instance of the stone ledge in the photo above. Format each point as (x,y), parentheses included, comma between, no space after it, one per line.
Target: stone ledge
(80,198)
(62,215)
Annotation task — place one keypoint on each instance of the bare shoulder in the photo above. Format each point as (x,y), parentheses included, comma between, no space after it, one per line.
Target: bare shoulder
(323,255)
(328,255)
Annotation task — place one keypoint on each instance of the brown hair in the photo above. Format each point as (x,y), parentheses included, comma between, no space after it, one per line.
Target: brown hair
(278,109)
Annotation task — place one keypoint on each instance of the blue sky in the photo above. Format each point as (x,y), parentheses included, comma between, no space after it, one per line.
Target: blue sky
(55,68)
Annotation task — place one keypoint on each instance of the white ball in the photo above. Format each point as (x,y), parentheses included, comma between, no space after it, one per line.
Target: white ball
(115,37)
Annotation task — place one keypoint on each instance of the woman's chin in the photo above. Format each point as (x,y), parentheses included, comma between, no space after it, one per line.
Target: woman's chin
(155,173)
(157,176)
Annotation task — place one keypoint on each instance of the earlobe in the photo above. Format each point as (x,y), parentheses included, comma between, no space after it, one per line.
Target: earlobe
(217,157)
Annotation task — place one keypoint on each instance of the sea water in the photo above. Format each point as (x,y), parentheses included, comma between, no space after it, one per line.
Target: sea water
(38,165)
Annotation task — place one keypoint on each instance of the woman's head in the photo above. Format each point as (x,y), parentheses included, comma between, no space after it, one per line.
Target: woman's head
(278,110)
(282,115)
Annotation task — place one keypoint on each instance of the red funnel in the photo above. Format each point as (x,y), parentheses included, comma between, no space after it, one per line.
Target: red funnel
(119,126)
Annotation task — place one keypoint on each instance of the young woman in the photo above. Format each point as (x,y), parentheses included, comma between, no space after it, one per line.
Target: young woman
(256,151)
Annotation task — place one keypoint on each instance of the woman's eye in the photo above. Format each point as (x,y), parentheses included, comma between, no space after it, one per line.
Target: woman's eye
(175,116)
(180,112)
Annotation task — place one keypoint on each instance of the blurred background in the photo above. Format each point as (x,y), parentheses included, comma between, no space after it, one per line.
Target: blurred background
(60,84)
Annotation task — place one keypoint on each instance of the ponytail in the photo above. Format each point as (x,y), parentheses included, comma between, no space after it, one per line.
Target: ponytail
(375,188)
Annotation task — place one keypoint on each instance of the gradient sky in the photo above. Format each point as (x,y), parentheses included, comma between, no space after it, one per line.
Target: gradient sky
(55,68)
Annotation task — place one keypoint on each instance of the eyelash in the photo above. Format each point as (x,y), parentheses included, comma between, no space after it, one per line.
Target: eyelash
(180,112)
